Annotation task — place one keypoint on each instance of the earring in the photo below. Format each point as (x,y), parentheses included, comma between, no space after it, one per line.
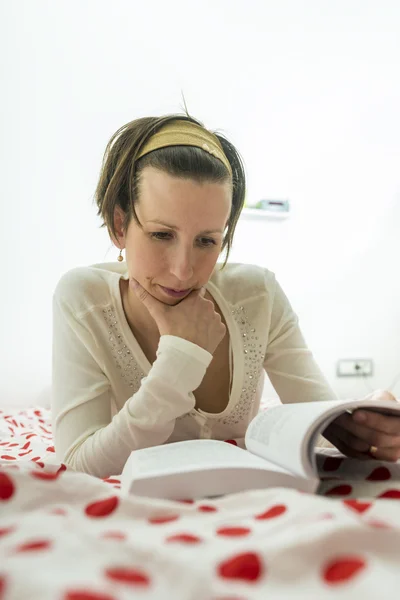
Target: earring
(120,258)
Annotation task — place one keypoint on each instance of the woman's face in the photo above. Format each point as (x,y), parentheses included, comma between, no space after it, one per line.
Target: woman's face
(177,247)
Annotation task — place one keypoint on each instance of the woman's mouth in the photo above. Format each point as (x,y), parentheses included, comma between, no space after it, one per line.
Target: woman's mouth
(175,293)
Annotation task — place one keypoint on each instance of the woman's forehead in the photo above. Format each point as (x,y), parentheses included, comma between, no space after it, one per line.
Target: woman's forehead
(163,196)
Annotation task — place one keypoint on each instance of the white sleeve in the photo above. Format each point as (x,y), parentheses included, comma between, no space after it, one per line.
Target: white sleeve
(86,438)
(289,363)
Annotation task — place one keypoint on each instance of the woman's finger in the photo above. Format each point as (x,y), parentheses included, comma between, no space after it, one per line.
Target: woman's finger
(152,304)
(367,434)
(346,437)
(349,446)
(353,446)
(387,424)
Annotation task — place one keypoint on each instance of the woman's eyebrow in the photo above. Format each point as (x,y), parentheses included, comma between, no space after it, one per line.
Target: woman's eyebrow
(175,228)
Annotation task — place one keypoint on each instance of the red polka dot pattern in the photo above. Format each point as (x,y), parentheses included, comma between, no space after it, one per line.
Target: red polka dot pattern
(6,530)
(340,490)
(246,567)
(390,494)
(184,538)
(87,595)
(129,576)
(132,545)
(378,524)
(343,569)
(206,508)
(114,535)
(44,476)
(358,506)
(59,511)
(161,520)
(379,474)
(34,546)
(271,513)
(233,531)
(7,487)
(102,508)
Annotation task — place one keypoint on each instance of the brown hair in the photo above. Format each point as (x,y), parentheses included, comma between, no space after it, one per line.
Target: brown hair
(119,180)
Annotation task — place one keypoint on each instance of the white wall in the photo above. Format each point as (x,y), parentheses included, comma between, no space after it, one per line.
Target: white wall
(310,93)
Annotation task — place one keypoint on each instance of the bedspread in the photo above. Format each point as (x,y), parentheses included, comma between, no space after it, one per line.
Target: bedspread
(70,536)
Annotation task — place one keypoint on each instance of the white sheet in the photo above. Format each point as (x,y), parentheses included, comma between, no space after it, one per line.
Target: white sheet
(70,536)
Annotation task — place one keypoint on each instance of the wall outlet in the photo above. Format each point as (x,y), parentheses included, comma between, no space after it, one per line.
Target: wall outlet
(354,367)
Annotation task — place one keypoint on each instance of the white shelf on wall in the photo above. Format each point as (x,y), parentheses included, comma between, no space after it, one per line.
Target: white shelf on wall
(259,214)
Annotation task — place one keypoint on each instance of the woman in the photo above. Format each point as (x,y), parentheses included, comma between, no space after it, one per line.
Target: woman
(169,345)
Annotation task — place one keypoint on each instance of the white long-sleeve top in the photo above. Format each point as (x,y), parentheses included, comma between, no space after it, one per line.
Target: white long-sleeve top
(108,400)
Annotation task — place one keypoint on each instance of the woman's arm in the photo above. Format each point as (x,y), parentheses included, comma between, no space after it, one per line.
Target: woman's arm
(86,438)
(289,363)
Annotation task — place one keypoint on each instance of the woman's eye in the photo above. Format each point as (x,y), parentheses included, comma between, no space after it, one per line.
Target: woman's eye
(160,235)
(207,242)
(166,236)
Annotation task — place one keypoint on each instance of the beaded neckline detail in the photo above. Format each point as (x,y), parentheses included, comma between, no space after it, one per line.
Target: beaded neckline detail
(124,359)
(253,353)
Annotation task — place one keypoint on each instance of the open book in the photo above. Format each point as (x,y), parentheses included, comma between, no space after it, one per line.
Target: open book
(280,452)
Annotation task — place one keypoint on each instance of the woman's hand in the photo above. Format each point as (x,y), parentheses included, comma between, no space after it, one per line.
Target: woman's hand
(354,434)
(193,319)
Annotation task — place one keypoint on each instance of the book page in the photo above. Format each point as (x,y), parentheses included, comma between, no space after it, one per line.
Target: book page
(203,468)
(193,455)
(286,434)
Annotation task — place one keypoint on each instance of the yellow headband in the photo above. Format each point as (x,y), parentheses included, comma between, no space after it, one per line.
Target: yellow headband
(186,133)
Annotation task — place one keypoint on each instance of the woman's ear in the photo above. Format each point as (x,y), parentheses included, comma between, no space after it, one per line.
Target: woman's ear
(119,220)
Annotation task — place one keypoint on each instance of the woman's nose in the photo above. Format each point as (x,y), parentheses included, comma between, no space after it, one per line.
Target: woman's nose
(181,264)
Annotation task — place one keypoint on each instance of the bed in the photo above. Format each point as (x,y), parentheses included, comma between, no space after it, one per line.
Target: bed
(69,536)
